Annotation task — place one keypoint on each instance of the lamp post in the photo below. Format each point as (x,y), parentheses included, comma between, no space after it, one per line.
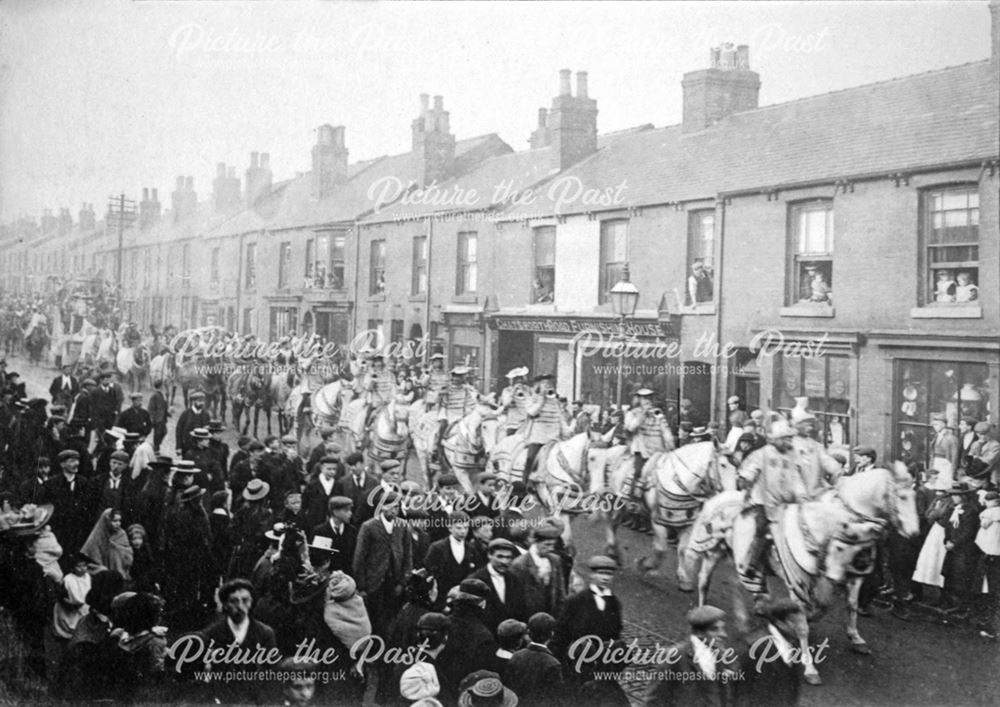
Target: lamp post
(624,297)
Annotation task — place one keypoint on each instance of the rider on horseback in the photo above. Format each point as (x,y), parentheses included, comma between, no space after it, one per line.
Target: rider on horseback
(514,399)
(650,435)
(456,402)
(436,379)
(545,421)
(772,480)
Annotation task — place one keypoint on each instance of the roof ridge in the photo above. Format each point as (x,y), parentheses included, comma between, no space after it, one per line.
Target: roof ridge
(907,77)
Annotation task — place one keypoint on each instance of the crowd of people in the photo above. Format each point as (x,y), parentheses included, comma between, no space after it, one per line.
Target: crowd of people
(342,581)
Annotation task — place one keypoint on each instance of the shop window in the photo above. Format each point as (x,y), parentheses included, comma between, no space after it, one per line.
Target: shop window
(701,249)
(283,322)
(544,286)
(826,382)
(376,265)
(812,260)
(614,253)
(396,331)
(925,388)
(465,356)
(950,245)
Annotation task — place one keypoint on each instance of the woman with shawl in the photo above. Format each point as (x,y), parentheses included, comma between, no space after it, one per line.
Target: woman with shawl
(145,578)
(346,617)
(108,543)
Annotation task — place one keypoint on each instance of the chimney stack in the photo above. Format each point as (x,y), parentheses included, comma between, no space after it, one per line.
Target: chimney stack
(329,160)
(258,177)
(65,224)
(184,200)
(226,195)
(995,34)
(541,137)
(433,143)
(728,86)
(572,122)
(88,219)
(49,222)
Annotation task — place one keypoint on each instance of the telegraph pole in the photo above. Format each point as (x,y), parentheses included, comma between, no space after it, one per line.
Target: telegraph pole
(121,211)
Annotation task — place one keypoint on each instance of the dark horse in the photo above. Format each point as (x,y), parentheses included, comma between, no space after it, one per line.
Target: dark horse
(36,343)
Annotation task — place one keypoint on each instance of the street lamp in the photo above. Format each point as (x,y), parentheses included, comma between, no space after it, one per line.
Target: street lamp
(624,297)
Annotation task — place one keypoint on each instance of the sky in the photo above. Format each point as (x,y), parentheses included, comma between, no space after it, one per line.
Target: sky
(109,95)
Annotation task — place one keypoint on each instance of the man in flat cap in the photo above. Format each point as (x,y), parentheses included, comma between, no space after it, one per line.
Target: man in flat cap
(135,418)
(357,484)
(64,387)
(983,461)
(382,561)
(74,503)
(451,559)
(483,502)
(111,486)
(194,416)
(769,657)
(473,647)
(108,399)
(540,571)
(319,490)
(533,673)
(592,611)
(944,451)
(697,671)
(342,534)
(864,458)
(506,598)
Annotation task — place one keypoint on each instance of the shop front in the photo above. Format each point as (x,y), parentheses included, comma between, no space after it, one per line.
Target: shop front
(463,345)
(585,353)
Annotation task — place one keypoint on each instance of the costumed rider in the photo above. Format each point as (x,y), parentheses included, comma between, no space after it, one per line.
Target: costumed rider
(436,380)
(514,399)
(650,433)
(457,401)
(378,386)
(772,480)
(819,470)
(545,420)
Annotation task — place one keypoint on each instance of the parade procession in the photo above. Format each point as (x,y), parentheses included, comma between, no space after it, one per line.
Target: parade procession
(610,419)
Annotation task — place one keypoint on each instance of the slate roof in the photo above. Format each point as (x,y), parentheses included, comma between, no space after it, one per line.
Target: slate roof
(940,117)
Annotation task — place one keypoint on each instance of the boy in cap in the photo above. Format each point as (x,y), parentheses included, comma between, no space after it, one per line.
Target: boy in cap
(134,418)
(540,572)
(453,558)
(701,655)
(533,673)
(592,611)
(506,597)
(342,534)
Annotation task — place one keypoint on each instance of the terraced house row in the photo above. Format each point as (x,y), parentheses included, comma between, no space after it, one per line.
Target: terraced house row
(843,247)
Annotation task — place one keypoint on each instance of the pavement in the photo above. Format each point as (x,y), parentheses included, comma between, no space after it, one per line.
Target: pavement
(924,661)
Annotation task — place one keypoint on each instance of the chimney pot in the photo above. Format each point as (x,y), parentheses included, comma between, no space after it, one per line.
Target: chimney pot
(564,83)
(155,198)
(743,57)
(254,159)
(189,183)
(581,84)
(424,102)
(145,194)
(438,104)
(543,116)
(220,169)
(713,57)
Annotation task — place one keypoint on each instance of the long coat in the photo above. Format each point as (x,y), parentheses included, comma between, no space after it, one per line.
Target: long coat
(498,611)
(537,595)
(380,557)
(74,512)
(441,563)
(581,617)
(258,635)
(535,676)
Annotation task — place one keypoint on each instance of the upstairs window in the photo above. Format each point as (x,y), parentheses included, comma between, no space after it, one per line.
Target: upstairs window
(419,284)
(468,264)
(376,284)
(251,268)
(544,286)
(812,259)
(701,253)
(284,264)
(951,245)
(614,254)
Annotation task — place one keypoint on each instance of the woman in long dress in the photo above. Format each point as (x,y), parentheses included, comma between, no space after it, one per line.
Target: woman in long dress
(932,554)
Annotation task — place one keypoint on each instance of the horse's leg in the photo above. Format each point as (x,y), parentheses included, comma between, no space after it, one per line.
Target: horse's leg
(708,562)
(810,673)
(683,578)
(659,551)
(858,644)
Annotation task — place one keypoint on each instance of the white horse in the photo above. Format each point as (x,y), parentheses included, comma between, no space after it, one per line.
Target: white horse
(132,363)
(832,539)
(463,446)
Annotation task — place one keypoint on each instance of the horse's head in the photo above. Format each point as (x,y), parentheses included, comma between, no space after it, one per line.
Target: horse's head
(851,550)
(883,495)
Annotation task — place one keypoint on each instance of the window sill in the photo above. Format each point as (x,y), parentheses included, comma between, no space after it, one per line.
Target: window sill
(422,297)
(947,311)
(808,310)
(703,309)
(465,299)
